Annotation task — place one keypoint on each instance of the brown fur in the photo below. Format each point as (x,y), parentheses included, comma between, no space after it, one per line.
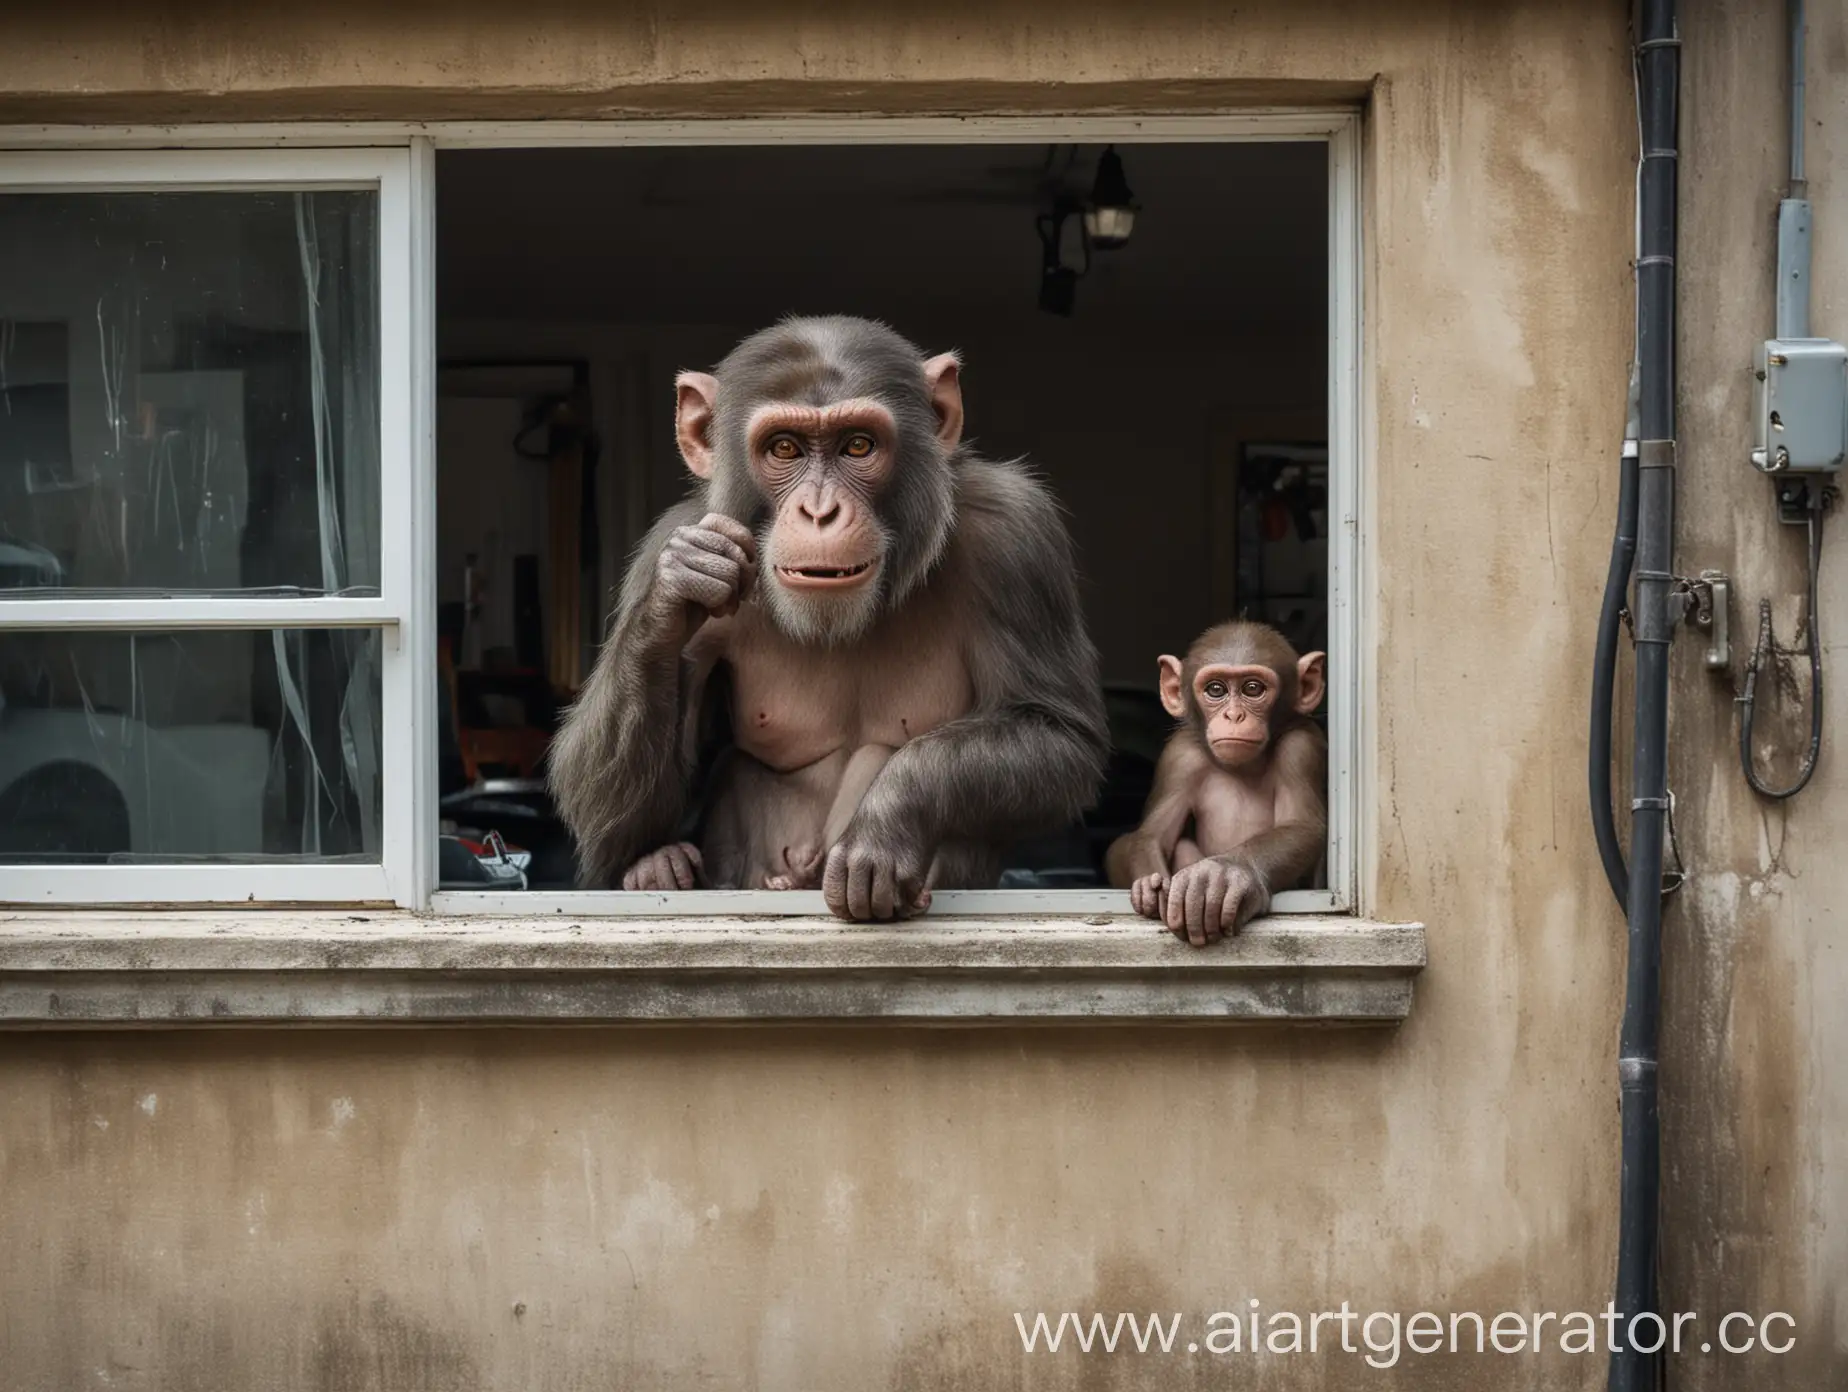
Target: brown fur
(1258,817)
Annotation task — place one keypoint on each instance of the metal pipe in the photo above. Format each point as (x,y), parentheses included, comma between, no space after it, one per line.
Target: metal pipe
(1793,213)
(1655,613)
(1794,15)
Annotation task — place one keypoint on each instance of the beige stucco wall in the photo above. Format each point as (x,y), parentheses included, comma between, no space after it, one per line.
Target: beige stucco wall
(867,1209)
(1755,1091)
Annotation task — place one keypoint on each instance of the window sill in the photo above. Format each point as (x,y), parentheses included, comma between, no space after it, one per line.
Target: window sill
(282,967)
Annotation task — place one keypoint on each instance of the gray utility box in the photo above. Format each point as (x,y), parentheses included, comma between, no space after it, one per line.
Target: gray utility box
(1802,405)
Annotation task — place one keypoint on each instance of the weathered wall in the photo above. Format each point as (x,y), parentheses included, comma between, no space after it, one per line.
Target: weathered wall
(1755,1091)
(869,1209)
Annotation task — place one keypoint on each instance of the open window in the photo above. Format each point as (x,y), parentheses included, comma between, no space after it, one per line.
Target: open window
(318,467)
(1173,388)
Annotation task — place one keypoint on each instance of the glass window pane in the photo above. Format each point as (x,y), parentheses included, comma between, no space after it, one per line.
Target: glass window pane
(216,745)
(189,392)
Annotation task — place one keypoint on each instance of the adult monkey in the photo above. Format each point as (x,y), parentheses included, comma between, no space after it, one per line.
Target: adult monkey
(888,613)
(1246,773)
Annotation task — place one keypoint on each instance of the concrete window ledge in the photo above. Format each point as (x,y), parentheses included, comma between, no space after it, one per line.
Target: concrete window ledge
(84,970)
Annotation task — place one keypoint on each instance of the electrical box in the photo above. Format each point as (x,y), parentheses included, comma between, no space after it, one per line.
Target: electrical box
(1802,406)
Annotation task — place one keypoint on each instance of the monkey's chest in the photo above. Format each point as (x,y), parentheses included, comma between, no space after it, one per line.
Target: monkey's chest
(793,705)
(1228,812)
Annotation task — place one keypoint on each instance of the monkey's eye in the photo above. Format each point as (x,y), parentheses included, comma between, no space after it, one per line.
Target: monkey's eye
(857,446)
(1253,688)
(1215,691)
(785,449)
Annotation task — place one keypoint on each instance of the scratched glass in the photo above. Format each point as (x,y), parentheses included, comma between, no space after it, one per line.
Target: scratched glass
(189,393)
(216,745)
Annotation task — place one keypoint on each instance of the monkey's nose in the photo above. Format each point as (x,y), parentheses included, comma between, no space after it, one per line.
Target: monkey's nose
(822,514)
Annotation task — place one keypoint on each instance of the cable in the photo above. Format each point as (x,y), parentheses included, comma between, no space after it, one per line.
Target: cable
(1617,579)
(1604,677)
(1767,644)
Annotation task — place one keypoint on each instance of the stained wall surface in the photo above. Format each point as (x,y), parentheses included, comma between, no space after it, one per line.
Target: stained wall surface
(1755,1098)
(870,1208)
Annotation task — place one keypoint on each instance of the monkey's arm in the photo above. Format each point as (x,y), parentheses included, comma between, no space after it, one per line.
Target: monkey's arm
(863,767)
(621,763)
(1284,855)
(1030,754)
(1149,849)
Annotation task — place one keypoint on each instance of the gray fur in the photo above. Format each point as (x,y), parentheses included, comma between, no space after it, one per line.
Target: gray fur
(1031,753)
(814,362)
(1027,757)
(621,762)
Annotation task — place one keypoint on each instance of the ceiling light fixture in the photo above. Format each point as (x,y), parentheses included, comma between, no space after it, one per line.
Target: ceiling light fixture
(1110,216)
(1102,221)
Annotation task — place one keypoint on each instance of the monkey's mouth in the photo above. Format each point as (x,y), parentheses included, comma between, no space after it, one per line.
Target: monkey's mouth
(1240,749)
(825,577)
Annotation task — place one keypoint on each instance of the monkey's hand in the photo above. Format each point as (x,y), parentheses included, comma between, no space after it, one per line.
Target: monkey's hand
(1211,899)
(704,569)
(876,872)
(672,867)
(1145,893)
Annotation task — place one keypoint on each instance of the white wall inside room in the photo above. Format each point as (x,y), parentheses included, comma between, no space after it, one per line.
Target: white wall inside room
(1207,330)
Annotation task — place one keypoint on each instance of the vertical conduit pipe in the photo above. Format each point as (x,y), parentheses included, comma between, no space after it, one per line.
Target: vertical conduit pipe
(1659,64)
(1793,212)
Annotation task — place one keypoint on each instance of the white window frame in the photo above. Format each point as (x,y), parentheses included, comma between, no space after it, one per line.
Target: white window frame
(395,614)
(399,159)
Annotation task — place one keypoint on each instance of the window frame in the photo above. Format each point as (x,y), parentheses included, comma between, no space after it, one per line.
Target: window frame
(394,613)
(400,160)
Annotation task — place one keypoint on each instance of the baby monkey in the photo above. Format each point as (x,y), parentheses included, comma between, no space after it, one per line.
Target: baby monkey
(1239,808)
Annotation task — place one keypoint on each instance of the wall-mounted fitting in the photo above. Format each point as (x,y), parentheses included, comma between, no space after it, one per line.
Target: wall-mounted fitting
(1712,613)
(1801,406)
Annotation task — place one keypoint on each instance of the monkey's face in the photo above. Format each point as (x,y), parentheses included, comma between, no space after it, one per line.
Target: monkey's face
(1235,704)
(843,435)
(1240,685)
(1231,704)
(822,469)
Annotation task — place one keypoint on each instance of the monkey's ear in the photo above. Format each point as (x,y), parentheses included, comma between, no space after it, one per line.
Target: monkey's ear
(1311,681)
(1173,697)
(695,394)
(943,375)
